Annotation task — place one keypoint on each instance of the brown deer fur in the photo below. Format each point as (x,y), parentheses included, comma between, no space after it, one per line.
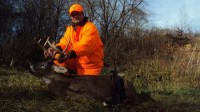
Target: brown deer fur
(100,88)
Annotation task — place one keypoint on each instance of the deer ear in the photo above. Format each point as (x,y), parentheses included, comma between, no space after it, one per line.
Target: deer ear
(59,69)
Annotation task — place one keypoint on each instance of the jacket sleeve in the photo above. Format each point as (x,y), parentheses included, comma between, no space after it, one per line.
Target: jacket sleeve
(64,40)
(89,41)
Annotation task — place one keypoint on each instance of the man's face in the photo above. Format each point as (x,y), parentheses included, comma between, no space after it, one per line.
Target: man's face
(77,17)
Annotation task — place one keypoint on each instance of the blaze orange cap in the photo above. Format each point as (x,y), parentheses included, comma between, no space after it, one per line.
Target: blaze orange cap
(75,7)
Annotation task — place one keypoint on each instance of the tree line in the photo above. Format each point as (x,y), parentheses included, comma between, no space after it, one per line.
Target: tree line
(23,21)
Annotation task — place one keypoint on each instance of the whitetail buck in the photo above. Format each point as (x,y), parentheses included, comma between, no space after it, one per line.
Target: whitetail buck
(101,88)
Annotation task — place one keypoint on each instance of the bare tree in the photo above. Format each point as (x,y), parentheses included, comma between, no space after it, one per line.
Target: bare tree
(112,16)
(115,18)
(183,26)
(7,15)
(42,18)
(32,19)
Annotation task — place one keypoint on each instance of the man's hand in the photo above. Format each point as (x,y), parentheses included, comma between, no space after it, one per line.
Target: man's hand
(50,52)
(69,55)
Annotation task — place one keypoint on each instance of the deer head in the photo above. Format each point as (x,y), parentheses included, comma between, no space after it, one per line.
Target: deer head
(46,68)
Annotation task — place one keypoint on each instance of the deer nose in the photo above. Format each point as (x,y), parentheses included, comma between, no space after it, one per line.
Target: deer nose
(32,69)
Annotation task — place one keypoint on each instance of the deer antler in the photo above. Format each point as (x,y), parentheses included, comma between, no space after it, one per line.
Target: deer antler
(41,46)
(55,48)
(52,45)
(66,46)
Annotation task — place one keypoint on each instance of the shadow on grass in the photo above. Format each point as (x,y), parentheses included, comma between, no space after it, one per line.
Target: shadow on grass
(185,107)
(21,99)
(32,100)
(23,93)
(4,71)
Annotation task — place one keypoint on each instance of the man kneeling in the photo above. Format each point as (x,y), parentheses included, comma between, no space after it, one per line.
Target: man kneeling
(84,54)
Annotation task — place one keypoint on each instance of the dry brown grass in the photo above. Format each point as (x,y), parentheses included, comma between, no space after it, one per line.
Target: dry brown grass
(152,62)
(169,72)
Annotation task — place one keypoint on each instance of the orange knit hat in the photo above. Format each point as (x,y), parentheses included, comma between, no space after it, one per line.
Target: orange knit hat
(75,7)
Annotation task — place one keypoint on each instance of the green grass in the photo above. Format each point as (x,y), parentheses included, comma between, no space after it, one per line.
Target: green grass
(21,92)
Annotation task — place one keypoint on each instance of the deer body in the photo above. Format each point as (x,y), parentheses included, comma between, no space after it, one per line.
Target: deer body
(98,87)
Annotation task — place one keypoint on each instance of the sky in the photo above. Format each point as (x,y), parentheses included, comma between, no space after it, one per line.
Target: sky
(170,13)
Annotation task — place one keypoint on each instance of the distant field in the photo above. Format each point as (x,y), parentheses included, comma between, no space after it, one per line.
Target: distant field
(20,92)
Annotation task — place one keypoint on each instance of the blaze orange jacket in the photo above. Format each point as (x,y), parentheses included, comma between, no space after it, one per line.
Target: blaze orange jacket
(86,42)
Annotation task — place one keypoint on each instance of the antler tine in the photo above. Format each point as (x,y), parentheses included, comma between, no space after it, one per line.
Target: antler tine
(46,41)
(66,46)
(38,43)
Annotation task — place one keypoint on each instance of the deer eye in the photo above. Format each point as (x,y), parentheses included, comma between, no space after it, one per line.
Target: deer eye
(43,66)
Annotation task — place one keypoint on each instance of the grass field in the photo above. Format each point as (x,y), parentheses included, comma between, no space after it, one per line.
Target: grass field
(171,78)
(21,92)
